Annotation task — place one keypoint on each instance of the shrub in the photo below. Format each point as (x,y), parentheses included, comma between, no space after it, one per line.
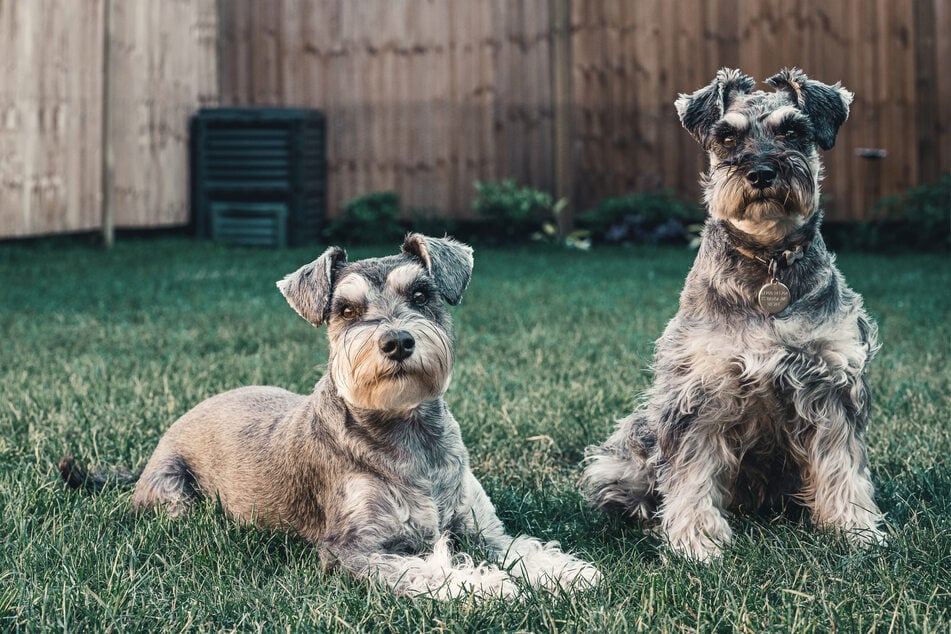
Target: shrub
(918,218)
(369,219)
(515,213)
(643,218)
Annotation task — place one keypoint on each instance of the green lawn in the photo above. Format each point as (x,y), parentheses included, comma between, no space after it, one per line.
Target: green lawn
(101,351)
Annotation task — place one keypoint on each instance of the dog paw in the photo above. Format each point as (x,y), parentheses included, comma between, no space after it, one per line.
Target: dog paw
(574,576)
(485,582)
(702,542)
(545,565)
(866,536)
(861,528)
(440,575)
(586,577)
(702,550)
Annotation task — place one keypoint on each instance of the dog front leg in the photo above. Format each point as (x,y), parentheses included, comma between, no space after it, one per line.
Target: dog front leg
(540,564)
(692,488)
(618,474)
(837,484)
(441,574)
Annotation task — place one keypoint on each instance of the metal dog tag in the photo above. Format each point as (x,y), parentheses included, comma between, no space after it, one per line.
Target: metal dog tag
(774,297)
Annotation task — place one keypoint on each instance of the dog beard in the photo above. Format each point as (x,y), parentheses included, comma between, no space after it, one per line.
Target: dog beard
(759,207)
(733,199)
(792,199)
(771,212)
(367,379)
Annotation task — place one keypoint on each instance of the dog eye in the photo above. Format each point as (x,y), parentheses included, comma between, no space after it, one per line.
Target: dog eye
(788,133)
(728,141)
(420,298)
(348,312)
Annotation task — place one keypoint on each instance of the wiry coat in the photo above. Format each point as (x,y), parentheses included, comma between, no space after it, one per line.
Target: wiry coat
(749,409)
(371,466)
(274,459)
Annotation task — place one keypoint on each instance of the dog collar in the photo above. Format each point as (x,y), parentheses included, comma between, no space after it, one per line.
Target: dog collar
(786,252)
(774,296)
(782,257)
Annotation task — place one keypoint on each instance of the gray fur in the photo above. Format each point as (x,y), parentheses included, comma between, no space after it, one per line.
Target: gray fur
(700,110)
(307,289)
(750,410)
(371,466)
(826,106)
(449,262)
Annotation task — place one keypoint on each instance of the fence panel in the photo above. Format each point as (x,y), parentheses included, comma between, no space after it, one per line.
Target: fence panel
(50,116)
(163,67)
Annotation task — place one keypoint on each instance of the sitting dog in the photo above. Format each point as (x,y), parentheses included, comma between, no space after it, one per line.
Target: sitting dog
(759,395)
(370,467)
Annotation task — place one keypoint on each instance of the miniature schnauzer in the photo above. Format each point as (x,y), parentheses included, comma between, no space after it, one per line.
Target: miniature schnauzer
(759,395)
(371,467)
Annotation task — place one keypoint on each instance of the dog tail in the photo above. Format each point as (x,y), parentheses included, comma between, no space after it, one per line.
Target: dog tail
(77,475)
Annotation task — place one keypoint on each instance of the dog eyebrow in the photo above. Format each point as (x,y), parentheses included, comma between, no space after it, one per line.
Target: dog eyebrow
(736,121)
(403,277)
(780,116)
(353,288)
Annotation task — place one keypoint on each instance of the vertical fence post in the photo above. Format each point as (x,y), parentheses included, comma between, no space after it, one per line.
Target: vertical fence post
(926,102)
(562,100)
(107,172)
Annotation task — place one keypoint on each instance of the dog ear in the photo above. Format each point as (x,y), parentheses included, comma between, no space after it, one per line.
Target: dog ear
(309,288)
(700,110)
(826,106)
(447,261)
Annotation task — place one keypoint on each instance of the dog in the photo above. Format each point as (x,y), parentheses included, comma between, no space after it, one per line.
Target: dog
(371,466)
(760,398)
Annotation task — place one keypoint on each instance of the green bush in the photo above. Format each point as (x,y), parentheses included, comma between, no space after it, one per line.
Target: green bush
(515,213)
(370,219)
(649,217)
(919,218)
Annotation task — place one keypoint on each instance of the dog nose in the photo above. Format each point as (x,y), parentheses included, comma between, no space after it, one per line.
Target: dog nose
(761,176)
(397,344)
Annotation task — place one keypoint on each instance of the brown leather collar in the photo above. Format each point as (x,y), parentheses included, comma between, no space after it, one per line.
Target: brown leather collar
(784,254)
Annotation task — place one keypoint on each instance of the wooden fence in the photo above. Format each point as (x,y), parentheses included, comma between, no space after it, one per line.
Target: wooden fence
(421,97)
(95,96)
(426,96)
(50,116)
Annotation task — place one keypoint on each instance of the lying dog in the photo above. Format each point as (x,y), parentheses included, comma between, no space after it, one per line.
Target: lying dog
(370,467)
(759,394)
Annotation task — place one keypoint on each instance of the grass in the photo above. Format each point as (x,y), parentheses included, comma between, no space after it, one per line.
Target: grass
(100,351)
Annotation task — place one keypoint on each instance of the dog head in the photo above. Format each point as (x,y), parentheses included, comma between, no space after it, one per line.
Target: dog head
(764,147)
(391,340)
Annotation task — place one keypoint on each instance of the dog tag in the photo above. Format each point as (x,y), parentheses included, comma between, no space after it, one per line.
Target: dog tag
(774,297)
